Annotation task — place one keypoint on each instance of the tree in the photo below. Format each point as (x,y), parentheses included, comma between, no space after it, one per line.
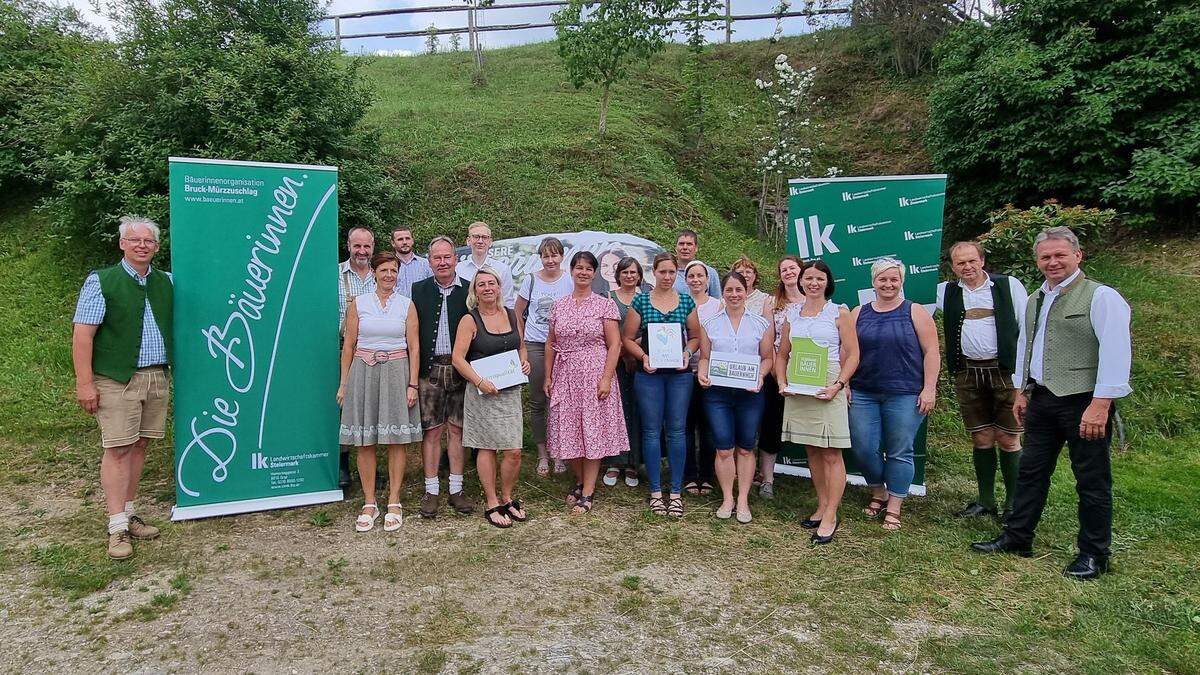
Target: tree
(239,79)
(599,46)
(455,42)
(1086,101)
(913,28)
(431,39)
(701,16)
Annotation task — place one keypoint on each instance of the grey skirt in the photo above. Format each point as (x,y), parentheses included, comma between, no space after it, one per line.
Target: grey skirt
(492,422)
(807,420)
(375,407)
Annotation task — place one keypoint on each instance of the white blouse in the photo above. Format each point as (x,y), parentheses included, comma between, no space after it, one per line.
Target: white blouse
(742,340)
(822,328)
(382,327)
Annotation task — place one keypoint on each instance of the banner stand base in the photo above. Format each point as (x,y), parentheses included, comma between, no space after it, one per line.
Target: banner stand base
(852,479)
(250,505)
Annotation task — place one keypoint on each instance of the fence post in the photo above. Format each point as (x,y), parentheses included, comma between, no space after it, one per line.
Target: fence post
(337,31)
(728,21)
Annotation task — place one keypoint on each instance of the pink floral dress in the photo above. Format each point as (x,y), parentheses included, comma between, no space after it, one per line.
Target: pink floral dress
(578,424)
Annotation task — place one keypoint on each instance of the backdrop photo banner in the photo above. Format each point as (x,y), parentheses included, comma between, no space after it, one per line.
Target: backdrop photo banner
(254,255)
(852,222)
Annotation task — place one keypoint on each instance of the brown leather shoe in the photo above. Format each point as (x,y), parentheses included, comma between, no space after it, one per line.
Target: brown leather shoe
(119,546)
(140,529)
(430,505)
(459,502)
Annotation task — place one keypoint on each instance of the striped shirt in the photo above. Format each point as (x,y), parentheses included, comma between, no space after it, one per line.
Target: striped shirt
(350,286)
(416,269)
(90,310)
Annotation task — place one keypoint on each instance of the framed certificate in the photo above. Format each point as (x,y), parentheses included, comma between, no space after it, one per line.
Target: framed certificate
(503,369)
(730,369)
(664,343)
(808,367)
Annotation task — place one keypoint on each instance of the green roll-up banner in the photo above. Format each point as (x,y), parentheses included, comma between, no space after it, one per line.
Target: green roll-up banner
(254,255)
(852,222)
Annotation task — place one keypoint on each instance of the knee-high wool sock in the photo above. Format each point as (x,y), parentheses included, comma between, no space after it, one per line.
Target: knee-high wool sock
(985,474)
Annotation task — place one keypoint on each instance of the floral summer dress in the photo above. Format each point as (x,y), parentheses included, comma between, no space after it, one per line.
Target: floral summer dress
(579,425)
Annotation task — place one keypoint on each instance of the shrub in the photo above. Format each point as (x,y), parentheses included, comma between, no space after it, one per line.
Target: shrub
(1091,101)
(1012,231)
(235,79)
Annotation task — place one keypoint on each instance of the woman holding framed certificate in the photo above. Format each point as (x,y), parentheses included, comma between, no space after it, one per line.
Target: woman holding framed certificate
(819,341)
(488,340)
(661,332)
(737,349)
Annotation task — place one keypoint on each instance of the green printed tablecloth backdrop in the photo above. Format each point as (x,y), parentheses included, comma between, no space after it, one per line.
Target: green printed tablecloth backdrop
(852,222)
(254,254)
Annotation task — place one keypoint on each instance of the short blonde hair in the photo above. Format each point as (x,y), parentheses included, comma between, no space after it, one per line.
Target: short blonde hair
(884,264)
(472,299)
(478,224)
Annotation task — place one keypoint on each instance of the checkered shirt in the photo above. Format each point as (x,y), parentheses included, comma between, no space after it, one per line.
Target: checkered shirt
(91,310)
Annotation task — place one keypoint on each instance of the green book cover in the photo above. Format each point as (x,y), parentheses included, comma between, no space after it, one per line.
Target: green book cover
(808,365)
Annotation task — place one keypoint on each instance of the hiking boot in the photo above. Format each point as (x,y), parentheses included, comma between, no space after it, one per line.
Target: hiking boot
(119,546)
(459,502)
(429,505)
(139,529)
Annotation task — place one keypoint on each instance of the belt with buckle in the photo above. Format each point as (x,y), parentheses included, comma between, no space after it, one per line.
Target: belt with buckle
(375,356)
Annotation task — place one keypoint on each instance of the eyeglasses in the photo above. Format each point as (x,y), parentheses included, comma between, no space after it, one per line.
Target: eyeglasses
(481,237)
(141,242)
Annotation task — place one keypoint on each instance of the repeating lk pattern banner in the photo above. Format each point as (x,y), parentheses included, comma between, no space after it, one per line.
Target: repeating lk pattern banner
(852,222)
(254,255)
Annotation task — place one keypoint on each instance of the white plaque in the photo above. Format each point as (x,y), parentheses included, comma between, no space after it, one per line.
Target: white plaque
(665,342)
(503,369)
(731,369)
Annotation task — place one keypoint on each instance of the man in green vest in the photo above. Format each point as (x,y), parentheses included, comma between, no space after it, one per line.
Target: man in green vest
(1072,364)
(982,316)
(441,302)
(121,348)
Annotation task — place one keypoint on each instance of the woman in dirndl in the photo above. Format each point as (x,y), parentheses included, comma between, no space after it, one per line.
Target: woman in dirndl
(378,390)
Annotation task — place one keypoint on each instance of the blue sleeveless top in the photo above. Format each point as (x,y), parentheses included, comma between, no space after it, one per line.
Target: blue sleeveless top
(891,360)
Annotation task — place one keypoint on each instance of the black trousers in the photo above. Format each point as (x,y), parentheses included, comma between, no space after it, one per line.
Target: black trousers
(700,465)
(1051,421)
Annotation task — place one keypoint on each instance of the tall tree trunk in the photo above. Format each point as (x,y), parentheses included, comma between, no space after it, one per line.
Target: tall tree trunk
(604,109)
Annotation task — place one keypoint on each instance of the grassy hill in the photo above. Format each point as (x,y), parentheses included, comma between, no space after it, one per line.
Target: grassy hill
(617,590)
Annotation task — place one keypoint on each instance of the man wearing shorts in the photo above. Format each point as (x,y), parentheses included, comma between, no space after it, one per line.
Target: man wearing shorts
(982,316)
(441,302)
(121,347)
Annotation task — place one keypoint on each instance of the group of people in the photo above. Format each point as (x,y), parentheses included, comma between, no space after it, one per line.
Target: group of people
(416,332)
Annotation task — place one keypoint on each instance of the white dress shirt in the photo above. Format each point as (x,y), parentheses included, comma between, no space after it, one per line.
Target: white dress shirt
(466,271)
(978,340)
(1110,317)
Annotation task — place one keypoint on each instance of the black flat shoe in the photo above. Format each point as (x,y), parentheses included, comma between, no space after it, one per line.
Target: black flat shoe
(975,510)
(344,470)
(1003,544)
(810,524)
(819,540)
(1086,567)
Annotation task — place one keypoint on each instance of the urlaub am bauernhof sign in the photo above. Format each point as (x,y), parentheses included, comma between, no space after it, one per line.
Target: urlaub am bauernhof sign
(852,222)
(254,255)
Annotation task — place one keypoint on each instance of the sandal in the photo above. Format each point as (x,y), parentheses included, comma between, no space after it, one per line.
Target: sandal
(559,466)
(511,508)
(364,522)
(584,505)
(393,521)
(706,488)
(875,507)
(692,487)
(611,476)
(574,495)
(675,507)
(498,510)
(543,467)
(891,520)
(657,506)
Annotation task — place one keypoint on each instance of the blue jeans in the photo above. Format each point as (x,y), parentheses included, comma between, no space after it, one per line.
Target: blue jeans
(882,429)
(733,416)
(663,399)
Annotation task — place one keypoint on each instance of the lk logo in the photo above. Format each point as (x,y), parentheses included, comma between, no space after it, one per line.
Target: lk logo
(258,461)
(815,241)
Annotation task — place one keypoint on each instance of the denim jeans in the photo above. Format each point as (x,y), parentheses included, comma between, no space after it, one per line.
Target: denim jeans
(882,429)
(663,399)
(733,416)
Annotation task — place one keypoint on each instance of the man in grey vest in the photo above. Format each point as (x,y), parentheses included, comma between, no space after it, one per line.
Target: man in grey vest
(982,315)
(121,348)
(1073,363)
